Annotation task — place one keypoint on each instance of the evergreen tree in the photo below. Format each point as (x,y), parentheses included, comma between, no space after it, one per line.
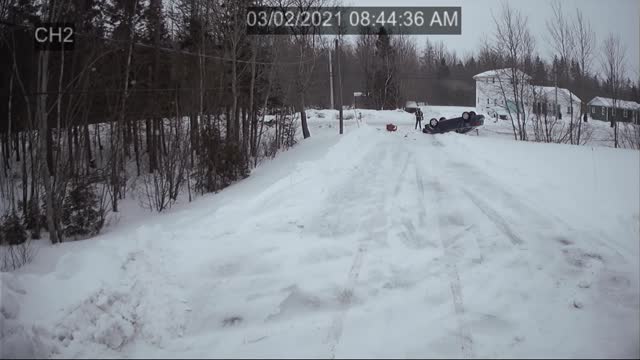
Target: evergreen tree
(635,94)
(539,76)
(81,214)
(13,231)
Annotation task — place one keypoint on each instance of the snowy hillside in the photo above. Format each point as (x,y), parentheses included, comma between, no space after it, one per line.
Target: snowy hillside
(373,244)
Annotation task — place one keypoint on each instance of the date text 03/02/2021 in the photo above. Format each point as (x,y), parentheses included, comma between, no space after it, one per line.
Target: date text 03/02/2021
(354,20)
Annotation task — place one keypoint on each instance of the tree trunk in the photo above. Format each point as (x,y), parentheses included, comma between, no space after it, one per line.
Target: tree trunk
(234,86)
(264,113)
(245,131)
(236,126)
(229,133)
(25,182)
(303,118)
(152,133)
(252,84)
(7,153)
(136,148)
(16,136)
(46,169)
(87,144)
(163,139)
(70,141)
(121,128)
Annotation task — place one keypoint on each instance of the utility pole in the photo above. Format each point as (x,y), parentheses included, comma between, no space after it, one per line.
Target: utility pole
(339,87)
(331,80)
(555,105)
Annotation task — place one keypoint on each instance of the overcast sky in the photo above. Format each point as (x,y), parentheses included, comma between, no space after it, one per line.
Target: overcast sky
(606,16)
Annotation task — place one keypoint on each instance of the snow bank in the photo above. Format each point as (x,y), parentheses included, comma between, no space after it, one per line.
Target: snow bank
(369,244)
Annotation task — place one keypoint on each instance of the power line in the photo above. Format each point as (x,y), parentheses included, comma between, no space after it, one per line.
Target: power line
(131,90)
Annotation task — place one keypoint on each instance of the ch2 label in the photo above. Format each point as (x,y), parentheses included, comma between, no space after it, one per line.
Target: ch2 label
(54,36)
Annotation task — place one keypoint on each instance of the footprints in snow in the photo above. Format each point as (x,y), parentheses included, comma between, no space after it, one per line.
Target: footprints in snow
(231,321)
(610,285)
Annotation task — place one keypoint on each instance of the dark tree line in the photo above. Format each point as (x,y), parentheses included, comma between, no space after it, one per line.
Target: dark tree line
(153,102)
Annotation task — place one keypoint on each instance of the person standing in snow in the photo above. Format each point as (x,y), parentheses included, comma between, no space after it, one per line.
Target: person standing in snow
(418,119)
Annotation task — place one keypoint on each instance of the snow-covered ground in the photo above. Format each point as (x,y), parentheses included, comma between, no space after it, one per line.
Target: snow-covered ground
(373,244)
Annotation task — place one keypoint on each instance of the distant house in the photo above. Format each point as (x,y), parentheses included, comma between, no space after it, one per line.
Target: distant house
(601,108)
(490,85)
(546,99)
(493,87)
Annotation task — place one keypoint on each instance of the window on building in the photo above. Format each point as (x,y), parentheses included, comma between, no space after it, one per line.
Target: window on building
(624,113)
(603,110)
(488,101)
(493,80)
(613,111)
(593,109)
(568,109)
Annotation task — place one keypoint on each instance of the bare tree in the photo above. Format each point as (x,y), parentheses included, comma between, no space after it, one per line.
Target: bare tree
(406,66)
(307,44)
(613,67)
(48,171)
(365,50)
(233,25)
(563,42)
(512,40)
(630,135)
(585,40)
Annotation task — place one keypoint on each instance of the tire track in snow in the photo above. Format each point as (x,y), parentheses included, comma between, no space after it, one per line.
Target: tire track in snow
(453,275)
(485,208)
(396,190)
(484,181)
(496,219)
(408,230)
(346,298)
(491,186)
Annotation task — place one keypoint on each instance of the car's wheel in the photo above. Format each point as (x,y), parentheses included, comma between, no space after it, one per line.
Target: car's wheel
(433,122)
(472,113)
(466,115)
(443,118)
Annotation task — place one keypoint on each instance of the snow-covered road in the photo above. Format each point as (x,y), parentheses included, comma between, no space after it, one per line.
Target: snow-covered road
(374,245)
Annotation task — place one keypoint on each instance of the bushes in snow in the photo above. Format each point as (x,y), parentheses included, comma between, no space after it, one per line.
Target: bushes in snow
(33,218)
(82,215)
(15,247)
(630,136)
(221,162)
(284,135)
(12,229)
(162,185)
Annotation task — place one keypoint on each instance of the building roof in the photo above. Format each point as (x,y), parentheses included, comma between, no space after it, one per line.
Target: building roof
(620,104)
(563,93)
(499,72)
